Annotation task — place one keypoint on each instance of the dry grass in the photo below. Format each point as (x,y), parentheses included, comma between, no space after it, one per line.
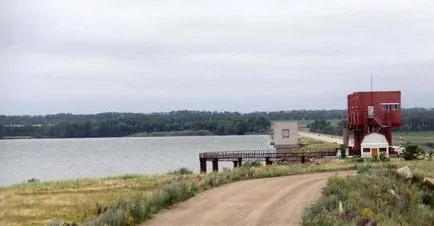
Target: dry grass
(74,200)
(423,167)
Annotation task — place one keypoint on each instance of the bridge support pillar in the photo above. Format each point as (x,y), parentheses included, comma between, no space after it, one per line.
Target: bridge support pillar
(240,161)
(268,162)
(202,165)
(235,164)
(215,165)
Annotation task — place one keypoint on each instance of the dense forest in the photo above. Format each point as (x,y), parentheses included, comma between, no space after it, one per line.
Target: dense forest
(218,123)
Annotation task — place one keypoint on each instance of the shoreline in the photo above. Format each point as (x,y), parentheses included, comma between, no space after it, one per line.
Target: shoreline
(163,134)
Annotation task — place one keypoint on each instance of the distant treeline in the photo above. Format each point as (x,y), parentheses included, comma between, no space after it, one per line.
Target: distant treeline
(326,127)
(218,123)
(125,124)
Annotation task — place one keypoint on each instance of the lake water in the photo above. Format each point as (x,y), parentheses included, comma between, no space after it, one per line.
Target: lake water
(52,159)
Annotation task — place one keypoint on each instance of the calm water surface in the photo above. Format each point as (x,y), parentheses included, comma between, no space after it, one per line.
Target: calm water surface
(51,159)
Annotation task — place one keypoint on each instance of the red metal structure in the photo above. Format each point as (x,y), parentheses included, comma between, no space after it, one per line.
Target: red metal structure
(378,111)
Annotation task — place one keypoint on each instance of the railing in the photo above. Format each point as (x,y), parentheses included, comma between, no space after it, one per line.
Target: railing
(266,154)
(378,120)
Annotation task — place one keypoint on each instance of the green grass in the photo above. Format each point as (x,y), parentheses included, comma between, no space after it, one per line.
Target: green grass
(422,167)
(304,123)
(417,137)
(367,195)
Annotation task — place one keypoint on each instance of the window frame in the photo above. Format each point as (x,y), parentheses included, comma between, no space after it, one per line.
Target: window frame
(286,133)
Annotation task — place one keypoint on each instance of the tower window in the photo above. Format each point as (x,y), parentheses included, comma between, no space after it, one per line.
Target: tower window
(285,133)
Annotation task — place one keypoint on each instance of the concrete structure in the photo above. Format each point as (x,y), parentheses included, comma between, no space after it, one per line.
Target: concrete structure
(373,112)
(285,135)
(373,145)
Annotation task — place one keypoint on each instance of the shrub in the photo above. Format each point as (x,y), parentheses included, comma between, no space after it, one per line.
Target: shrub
(182,171)
(252,164)
(411,152)
(361,168)
(383,158)
(358,159)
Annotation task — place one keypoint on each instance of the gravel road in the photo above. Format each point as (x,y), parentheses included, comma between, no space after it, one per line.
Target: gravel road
(270,201)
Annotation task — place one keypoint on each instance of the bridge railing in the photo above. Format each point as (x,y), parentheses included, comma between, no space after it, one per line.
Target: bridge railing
(267,154)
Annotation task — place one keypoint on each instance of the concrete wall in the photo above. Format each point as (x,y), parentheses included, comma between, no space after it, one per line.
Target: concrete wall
(281,138)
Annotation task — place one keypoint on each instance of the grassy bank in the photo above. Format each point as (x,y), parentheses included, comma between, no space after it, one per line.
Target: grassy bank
(378,195)
(74,200)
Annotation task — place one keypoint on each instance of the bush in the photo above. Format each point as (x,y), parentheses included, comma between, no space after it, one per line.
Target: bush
(252,164)
(182,171)
(362,168)
(383,158)
(411,152)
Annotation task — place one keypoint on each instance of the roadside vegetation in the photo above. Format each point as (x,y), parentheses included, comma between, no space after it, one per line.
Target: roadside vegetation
(379,196)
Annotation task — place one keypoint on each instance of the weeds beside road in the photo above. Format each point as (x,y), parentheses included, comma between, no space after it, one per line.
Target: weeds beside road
(376,195)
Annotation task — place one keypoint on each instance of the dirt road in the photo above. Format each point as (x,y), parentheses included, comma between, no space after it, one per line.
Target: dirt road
(271,201)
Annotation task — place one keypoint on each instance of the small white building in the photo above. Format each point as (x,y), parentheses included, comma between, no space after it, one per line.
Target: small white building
(285,135)
(373,145)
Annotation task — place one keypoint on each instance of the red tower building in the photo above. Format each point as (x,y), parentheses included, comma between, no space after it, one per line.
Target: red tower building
(370,112)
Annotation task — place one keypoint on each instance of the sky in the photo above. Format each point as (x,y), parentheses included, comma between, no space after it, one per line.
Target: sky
(89,56)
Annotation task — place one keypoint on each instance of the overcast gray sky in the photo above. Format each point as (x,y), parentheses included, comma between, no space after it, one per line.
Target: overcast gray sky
(87,56)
